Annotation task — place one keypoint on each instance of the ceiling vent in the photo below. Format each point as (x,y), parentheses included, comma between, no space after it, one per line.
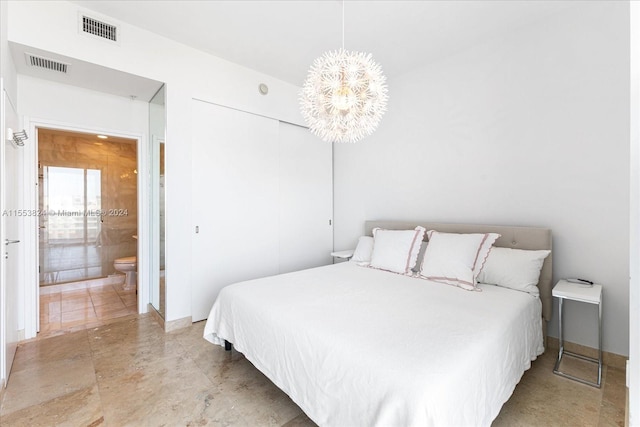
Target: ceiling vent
(98,28)
(46,63)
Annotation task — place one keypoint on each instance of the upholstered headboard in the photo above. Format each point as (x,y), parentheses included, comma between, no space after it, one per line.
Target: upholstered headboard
(511,237)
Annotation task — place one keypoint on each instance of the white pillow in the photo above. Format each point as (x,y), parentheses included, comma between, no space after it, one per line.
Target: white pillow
(423,248)
(456,259)
(362,254)
(396,250)
(514,268)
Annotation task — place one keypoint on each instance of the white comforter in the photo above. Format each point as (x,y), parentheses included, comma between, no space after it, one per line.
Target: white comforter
(357,346)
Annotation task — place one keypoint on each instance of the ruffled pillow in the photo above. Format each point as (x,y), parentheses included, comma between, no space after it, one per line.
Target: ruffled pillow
(396,250)
(456,259)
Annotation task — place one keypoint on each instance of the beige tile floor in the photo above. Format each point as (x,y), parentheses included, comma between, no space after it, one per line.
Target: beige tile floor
(130,373)
(80,305)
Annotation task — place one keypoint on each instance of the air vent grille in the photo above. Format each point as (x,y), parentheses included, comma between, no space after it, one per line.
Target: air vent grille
(99,28)
(46,63)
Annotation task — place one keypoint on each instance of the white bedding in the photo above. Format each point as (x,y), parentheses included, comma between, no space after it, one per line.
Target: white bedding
(358,346)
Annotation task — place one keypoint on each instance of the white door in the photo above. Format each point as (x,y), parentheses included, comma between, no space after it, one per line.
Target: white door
(235,200)
(262,200)
(11,299)
(306,199)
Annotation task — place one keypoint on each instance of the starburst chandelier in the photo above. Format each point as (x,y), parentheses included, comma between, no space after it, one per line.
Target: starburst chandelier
(344,95)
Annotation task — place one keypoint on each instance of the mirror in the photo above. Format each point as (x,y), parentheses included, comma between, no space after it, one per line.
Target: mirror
(157,139)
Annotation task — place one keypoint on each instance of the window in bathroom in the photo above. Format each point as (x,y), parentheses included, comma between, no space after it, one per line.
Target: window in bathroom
(70,224)
(72,203)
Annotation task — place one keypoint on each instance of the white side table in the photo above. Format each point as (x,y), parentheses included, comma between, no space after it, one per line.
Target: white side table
(581,293)
(346,255)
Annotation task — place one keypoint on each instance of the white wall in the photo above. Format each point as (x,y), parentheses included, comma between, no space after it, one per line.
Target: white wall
(188,73)
(634,256)
(43,99)
(7,67)
(531,128)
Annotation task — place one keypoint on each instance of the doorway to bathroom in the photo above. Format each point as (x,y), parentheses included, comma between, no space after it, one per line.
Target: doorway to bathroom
(87,229)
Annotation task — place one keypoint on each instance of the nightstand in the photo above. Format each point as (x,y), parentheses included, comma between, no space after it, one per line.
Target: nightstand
(345,255)
(586,294)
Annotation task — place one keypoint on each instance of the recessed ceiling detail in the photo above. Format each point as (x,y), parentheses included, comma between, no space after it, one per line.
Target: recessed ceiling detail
(99,28)
(80,73)
(46,63)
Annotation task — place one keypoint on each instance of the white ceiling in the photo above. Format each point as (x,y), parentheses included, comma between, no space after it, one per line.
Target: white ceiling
(282,38)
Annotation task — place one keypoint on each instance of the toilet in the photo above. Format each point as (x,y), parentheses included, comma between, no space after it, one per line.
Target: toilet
(128,266)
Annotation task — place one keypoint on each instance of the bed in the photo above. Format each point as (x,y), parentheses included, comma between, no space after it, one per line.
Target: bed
(353,345)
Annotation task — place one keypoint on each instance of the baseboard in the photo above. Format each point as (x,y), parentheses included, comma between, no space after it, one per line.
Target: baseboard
(2,389)
(171,325)
(610,359)
(626,409)
(156,316)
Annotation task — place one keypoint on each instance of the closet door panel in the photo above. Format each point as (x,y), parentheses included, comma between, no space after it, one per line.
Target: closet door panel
(235,200)
(306,199)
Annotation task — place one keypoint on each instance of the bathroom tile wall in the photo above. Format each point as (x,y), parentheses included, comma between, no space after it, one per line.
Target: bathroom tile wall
(116,160)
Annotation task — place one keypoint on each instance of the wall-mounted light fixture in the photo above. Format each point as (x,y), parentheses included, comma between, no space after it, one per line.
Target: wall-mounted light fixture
(17,138)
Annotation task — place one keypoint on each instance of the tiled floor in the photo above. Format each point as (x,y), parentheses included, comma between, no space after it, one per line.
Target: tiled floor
(130,373)
(80,305)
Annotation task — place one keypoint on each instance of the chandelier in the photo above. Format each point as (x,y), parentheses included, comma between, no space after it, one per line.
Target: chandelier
(344,95)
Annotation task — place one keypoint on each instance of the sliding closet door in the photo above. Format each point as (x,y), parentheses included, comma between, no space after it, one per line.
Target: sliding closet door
(306,199)
(235,200)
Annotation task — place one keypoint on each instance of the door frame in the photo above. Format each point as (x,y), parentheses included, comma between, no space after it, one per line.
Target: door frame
(154,223)
(31,247)
(11,311)
(3,323)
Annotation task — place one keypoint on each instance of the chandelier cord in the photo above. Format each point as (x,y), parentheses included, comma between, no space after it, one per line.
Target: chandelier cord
(342,24)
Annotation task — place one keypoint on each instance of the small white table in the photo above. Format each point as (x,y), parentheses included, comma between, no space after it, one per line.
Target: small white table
(581,293)
(343,254)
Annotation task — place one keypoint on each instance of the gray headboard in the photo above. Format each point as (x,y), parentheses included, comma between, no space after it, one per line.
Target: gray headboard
(511,237)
